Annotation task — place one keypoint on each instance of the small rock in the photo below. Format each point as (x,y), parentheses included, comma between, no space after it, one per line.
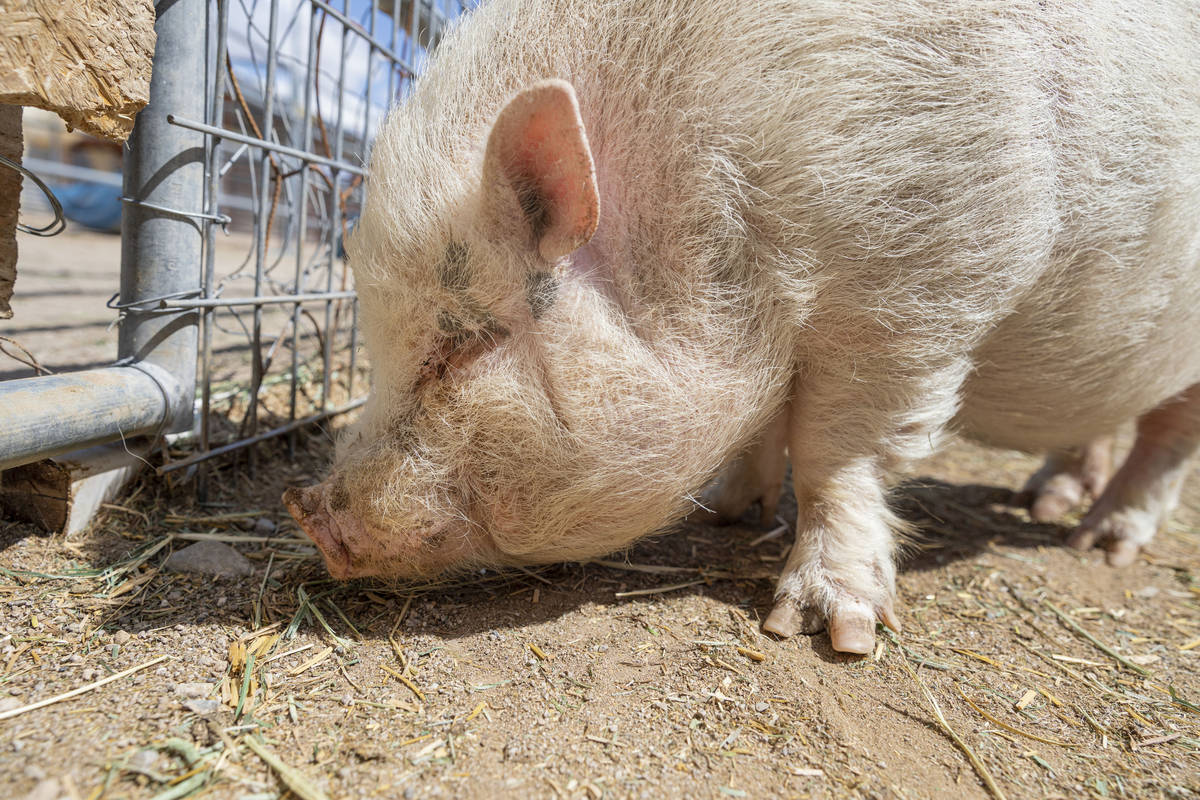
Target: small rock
(121,637)
(761,707)
(1145,661)
(48,789)
(143,760)
(8,704)
(210,558)
(90,673)
(202,706)
(264,526)
(74,658)
(35,773)
(1146,592)
(194,690)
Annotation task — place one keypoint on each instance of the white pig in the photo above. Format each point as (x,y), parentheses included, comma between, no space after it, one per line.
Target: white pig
(609,246)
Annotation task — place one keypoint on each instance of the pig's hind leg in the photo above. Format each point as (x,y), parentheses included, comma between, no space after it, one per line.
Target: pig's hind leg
(755,476)
(1141,496)
(1066,477)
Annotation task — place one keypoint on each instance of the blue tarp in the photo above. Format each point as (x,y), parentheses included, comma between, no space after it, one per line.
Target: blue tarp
(93,205)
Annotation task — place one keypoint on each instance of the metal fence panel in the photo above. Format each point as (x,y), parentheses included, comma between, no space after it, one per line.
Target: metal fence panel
(245,173)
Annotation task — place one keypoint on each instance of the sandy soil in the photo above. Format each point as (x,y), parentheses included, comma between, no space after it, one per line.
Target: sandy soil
(646,678)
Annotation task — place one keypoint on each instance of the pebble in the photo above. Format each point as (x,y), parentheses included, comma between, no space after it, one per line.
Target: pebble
(8,704)
(202,706)
(264,526)
(48,789)
(210,558)
(121,637)
(143,759)
(198,689)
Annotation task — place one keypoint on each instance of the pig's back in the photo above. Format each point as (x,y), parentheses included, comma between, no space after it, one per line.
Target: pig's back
(1010,184)
(1113,326)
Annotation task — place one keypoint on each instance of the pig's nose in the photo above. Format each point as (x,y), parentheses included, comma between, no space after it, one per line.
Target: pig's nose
(307,507)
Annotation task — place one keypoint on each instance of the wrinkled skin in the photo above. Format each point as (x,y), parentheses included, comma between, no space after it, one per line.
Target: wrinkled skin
(613,249)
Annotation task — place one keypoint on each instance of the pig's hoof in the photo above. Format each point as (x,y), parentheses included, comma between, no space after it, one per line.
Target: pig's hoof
(787,619)
(1066,477)
(852,628)
(1055,500)
(851,622)
(1049,498)
(1122,535)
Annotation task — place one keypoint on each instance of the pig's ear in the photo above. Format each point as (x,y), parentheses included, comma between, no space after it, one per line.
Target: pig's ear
(539,149)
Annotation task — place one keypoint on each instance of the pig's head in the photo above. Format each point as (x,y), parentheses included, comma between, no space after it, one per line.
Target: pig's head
(524,407)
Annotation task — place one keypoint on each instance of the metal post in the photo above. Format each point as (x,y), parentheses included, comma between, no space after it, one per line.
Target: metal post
(161,235)
(151,390)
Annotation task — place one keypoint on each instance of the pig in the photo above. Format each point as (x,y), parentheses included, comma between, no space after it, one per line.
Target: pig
(611,249)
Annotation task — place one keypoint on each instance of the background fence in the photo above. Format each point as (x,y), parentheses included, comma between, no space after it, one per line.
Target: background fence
(236,308)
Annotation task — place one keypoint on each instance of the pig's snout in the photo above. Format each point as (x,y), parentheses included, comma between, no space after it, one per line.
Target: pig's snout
(310,509)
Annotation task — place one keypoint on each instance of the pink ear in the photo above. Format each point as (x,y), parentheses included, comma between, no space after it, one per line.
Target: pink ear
(538,147)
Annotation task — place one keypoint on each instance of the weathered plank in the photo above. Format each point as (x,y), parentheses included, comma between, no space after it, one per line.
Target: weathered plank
(88,61)
(10,194)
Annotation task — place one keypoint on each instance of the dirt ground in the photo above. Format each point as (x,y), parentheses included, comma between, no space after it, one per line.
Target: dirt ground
(647,676)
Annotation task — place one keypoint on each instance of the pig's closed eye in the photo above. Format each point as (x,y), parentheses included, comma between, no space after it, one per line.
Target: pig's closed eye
(455,350)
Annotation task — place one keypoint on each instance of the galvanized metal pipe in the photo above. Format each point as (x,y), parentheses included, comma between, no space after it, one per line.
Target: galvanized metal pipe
(55,414)
(153,388)
(164,165)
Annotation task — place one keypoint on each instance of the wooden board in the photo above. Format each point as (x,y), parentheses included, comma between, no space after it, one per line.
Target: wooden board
(62,494)
(10,196)
(87,60)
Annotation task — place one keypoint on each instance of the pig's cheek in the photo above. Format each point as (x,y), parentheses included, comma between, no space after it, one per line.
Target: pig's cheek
(509,531)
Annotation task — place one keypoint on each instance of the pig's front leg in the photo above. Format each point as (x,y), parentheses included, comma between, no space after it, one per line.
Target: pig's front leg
(841,572)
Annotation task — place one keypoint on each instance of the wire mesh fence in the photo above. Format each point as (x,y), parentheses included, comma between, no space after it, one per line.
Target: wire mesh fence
(236,307)
(299,87)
